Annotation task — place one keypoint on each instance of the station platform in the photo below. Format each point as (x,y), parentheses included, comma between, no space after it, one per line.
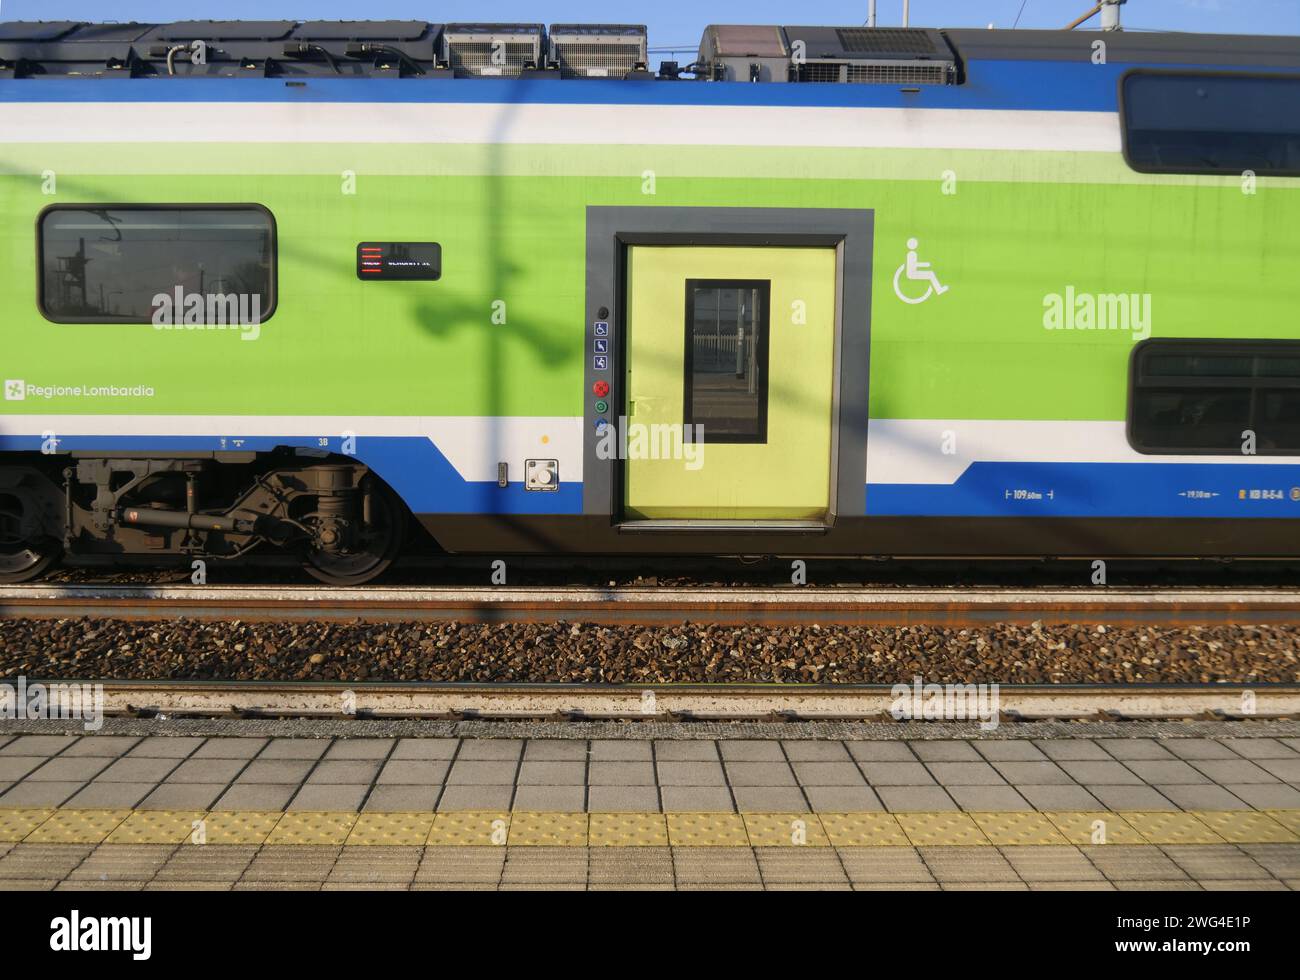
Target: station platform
(410,805)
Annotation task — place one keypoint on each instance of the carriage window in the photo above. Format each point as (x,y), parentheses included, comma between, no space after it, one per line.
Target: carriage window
(1212,123)
(1198,396)
(726,358)
(135,264)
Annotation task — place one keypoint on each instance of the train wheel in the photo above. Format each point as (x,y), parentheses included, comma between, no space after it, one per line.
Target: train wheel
(378,546)
(22,560)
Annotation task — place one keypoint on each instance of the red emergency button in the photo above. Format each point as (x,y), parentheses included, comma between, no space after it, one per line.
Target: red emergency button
(600,389)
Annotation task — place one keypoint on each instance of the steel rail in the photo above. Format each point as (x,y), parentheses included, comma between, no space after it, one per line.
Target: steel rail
(845,606)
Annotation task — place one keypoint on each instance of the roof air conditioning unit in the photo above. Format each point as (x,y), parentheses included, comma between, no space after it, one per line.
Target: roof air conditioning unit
(883,55)
(500,50)
(598,50)
(738,53)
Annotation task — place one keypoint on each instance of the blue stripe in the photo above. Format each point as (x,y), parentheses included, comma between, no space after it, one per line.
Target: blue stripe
(413,466)
(1040,85)
(1099,490)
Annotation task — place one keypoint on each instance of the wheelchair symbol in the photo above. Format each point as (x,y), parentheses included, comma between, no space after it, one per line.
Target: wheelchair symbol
(920,272)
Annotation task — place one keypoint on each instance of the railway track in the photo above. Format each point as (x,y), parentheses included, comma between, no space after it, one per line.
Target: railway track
(719,702)
(655,606)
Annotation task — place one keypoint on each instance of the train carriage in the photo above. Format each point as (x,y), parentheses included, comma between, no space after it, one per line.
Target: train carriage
(823,292)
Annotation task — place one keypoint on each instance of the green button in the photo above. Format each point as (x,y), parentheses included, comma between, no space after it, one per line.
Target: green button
(602,406)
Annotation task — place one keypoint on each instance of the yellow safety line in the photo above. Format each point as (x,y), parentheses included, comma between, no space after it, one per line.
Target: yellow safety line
(540,829)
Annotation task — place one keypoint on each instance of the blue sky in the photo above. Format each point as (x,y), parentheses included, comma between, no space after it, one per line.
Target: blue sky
(676,22)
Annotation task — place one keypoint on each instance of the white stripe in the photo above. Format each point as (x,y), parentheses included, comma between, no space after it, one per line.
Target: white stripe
(911,451)
(473,445)
(399,122)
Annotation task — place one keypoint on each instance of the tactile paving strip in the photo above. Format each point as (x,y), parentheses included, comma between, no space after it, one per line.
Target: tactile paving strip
(785,830)
(627,830)
(534,829)
(159,827)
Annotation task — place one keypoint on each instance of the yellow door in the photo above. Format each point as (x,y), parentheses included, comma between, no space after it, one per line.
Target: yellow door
(734,346)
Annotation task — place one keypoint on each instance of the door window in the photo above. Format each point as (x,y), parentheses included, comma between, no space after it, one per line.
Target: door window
(726,358)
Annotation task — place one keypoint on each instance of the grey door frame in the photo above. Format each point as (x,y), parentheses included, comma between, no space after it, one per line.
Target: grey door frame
(612,230)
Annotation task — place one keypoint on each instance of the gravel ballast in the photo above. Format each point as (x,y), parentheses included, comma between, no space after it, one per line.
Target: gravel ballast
(112,649)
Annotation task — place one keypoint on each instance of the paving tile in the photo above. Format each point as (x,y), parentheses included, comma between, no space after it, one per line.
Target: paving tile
(640,865)
(301,829)
(166,746)
(61,770)
(555,750)
(410,828)
(291,862)
(769,799)
(987,798)
(207,863)
(1133,862)
(1206,861)
(78,826)
(1286,769)
(206,771)
(622,799)
(425,748)
(561,799)
(1059,797)
(110,863)
(38,794)
(467,865)
(344,771)
(696,799)
(1072,750)
(679,773)
(359,749)
(713,866)
(1259,748)
(1199,748)
(109,795)
(15,767)
(414,772)
(954,865)
(39,745)
(256,796)
(750,750)
(1044,773)
(138,770)
(632,833)
(815,751)
(1247,827)
(864,830)
(1018,827)
(482,773)
(550,866)
(1126,749)
(476,797)
(1208,797)
(842,799)
(1281,860)
(392,865)
(183,796)
(294,748)
(1108,773)
(1272,796)
(620,750)
(402,798)
(109,746)
(1009,750)
(276,771)
(879,751)
(884,865)
(1184,885)
(330,796)
(899,799)
(1037,863)
(229,748)
(1172,827)
(621,773)
(800,865)
(944,751)
(694,750)
(759,774)
(548,829)
(1243,885)
(1097,827)
(41,861)
(965,774)
(534,773)
(1130,798)
(896,774)
(1234,771)
(1169,772)
(490,750)
(829,773)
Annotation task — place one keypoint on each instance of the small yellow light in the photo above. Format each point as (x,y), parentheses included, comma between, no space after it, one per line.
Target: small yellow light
(545,440)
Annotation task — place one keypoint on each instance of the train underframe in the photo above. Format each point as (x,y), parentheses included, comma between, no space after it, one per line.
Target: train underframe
(342,521)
